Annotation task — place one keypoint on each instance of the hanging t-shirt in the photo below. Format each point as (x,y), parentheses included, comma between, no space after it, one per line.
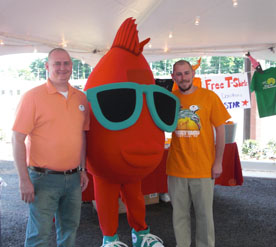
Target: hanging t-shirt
(264,85)
(192,150)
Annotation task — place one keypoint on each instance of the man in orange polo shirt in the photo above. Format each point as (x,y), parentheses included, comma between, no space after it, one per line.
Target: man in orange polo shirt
(49,153)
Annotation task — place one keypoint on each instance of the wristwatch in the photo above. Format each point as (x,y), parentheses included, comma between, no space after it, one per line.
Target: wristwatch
(82,169)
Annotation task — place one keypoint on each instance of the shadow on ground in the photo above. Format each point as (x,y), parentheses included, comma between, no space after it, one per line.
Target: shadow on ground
(245,216)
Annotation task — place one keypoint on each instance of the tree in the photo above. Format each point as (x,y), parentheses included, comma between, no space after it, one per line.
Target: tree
(238,65)
(160,68)
(80,70)
(208,65)
(269,63)
(87,70)
(38,68)
(214,65)
(204,66)
(165,67)
(25,74)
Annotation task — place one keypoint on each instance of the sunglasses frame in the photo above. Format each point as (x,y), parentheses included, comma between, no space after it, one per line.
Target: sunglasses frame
(139,90)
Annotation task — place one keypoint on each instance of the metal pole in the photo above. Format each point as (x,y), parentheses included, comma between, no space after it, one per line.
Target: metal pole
(247,112)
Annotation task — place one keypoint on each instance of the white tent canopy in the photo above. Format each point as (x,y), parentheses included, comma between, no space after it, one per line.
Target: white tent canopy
(87,27)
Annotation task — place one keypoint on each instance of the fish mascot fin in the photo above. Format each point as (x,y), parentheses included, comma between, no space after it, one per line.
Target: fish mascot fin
(197,65)
(127,38)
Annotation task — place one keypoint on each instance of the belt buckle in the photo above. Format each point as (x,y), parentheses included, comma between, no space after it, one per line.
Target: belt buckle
(68,172)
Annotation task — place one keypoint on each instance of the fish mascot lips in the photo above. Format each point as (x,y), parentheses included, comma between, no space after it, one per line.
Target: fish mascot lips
(145,157)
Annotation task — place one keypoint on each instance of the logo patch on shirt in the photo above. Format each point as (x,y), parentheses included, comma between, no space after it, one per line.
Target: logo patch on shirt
(188,124)
(81,107)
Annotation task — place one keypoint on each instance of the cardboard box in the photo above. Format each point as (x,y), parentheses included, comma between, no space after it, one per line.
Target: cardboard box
(149,199)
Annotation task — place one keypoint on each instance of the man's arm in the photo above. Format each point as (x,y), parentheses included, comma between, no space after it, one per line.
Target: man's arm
(220,143)
(84,178)
(19,153)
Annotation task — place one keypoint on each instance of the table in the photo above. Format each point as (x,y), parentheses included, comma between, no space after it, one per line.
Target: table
(232,171)
(156,182)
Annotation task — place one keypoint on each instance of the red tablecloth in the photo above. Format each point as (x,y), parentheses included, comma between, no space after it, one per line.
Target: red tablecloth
(232,172)
(156,182)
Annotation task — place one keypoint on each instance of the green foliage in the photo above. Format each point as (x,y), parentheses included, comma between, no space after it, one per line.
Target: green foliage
(162,67)
(270,63)
(237,65)
(208,65)
(2,135)
(38,68)
(204,67)
(270,149)
(25,74)
(252,149)
(80,70)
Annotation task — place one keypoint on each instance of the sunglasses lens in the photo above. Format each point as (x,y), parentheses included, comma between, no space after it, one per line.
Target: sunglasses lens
(117,105)
(165,107)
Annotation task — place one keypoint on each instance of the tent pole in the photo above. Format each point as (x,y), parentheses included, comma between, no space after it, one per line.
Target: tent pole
(247,112)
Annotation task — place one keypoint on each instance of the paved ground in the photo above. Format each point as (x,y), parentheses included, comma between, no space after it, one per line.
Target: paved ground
(245,216)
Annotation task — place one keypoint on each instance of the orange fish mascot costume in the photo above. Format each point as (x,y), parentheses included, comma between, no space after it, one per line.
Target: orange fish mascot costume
(126,138)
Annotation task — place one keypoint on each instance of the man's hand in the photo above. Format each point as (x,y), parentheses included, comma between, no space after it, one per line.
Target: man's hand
(27,191)
(19,152)
(220,143)
(216,170)
(84,180)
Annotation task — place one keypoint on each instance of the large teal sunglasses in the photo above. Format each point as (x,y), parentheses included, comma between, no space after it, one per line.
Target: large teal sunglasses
(117,106)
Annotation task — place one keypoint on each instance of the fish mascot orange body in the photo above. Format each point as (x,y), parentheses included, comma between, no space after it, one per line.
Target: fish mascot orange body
(124,143)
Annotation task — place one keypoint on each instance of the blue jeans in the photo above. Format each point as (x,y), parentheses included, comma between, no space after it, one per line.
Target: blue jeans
(56,196)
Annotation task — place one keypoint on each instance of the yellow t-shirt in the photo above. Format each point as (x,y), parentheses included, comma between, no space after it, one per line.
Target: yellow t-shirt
(192,150)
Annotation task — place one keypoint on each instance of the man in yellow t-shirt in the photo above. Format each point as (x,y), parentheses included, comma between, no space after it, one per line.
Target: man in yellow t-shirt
(195,157)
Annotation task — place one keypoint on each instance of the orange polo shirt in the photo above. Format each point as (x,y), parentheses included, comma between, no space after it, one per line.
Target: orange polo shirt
(54,126)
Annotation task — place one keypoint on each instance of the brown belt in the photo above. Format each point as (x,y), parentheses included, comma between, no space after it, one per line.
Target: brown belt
(45,170)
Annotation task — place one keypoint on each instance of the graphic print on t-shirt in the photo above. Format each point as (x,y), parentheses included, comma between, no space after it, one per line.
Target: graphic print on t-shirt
(188,122)
(269,83)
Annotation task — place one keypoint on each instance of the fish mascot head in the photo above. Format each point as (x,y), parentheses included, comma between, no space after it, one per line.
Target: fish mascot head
(129,112)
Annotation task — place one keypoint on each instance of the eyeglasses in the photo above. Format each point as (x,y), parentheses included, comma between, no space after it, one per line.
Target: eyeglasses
(117,106)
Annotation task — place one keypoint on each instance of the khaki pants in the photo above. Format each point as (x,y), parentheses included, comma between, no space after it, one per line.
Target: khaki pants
(183,193)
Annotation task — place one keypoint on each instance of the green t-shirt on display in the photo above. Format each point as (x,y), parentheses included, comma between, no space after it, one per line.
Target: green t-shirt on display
(264,85)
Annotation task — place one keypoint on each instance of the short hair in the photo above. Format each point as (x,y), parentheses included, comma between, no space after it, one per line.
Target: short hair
(181,62)
(57,49)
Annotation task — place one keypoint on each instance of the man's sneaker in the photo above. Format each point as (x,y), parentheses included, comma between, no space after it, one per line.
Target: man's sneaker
(112,241)
(145,239)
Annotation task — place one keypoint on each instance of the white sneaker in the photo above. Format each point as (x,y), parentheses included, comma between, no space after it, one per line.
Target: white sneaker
(150,240)
(115,244)
(112,241)
(165,197)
